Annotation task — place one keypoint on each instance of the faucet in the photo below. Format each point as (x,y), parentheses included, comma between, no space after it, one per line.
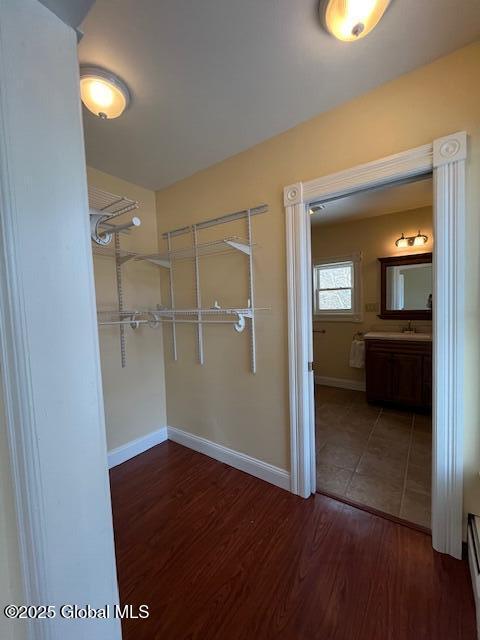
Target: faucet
(409,328)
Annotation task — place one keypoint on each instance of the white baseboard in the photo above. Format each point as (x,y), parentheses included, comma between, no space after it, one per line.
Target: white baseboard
(253,466)
(243,462)
(341,383)
(135,447)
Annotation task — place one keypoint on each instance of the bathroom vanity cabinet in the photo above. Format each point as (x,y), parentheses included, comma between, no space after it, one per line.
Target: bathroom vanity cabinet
(399,370)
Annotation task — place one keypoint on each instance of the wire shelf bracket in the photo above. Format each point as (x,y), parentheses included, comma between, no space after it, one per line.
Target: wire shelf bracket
(106,207)
(240,318)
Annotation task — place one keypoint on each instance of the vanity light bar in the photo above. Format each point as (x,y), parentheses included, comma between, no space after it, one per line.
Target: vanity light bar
(411,241)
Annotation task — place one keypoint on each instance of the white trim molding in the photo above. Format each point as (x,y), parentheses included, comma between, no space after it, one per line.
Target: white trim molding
(49,351)
(340,383)
(133,448)
(446,158)
(243,462)
(449,156)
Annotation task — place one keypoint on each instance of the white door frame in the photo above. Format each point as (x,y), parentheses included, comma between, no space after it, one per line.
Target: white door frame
(49,354)
(445,157)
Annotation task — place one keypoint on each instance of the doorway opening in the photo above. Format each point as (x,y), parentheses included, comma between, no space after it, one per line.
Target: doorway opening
(444,158)
(372,348)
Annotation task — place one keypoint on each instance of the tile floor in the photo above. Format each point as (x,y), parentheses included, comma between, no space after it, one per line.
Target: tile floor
(375,456)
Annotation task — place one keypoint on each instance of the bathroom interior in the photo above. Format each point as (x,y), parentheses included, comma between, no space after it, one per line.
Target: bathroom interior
(372,345)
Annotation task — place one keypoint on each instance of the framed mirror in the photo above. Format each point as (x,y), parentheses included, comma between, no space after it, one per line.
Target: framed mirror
(406,284)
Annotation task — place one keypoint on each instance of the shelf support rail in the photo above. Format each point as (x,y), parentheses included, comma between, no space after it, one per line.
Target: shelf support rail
(121,305)
(251,296)
(172,300)
(198,295)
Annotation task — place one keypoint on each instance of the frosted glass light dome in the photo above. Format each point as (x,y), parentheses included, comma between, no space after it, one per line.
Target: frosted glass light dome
(103,93)
(350,20)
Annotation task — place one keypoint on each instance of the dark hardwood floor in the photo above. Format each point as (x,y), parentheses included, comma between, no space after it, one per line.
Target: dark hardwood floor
(218,554)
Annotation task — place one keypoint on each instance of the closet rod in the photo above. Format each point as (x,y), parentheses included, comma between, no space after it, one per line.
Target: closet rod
(116,228)
(229,217)
(137,322)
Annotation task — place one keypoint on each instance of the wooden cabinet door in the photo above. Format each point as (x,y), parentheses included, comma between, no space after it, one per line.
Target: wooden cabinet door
(379,375)
(427,381)
(407,378)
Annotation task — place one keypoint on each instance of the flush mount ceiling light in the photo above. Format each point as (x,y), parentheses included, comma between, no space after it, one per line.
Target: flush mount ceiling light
(103,93)
(411,241)
(350,20)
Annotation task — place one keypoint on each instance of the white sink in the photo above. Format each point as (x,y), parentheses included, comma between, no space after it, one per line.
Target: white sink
(398,335)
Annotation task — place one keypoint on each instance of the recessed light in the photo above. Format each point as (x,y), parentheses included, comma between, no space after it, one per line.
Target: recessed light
(103,93)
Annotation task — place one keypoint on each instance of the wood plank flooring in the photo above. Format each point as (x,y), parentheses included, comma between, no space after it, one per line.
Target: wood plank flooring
(217,554)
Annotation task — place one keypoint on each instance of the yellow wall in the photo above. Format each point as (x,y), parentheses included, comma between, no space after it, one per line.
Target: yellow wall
(375,238)
(135,396)
(223,401)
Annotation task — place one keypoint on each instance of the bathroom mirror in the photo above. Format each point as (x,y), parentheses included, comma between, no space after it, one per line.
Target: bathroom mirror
(406,287)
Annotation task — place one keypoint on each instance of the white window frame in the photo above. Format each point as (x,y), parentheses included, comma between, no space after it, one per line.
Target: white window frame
(355,314)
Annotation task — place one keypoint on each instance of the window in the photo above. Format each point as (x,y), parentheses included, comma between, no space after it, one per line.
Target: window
(337,288)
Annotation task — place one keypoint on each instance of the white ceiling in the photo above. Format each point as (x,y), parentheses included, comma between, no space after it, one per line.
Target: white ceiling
(211,78)
(377,202)
(72,12)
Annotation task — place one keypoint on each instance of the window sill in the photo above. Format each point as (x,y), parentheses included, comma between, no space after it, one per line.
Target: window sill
(331,317)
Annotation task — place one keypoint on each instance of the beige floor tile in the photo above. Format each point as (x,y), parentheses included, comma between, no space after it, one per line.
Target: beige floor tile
(386,467)
(361,418)
(422,438)
(388,448)
(416,507)
(359,398)
(323,392)
(398,416)
(375,442)
(343,396)
(346,456)
(330,413)
(360,428)
(332,479)
(423,423)
(346,438)
(376,492)
(421,454)
(397,434)
(419,478)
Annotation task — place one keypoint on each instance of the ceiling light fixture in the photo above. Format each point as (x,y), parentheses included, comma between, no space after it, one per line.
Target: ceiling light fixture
(103,93)
(411,241)
(315,208)
(350,20)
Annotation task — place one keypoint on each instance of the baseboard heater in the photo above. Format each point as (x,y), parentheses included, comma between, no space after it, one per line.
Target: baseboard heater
(474,562)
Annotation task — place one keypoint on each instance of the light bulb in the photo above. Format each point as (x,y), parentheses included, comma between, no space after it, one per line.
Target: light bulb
(419,240)
(350,20)
(100,93)
(402,242)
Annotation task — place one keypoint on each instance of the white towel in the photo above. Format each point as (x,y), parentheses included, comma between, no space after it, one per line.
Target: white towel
(357,354)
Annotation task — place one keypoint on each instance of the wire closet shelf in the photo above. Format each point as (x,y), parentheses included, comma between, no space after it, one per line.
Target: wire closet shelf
(240,318)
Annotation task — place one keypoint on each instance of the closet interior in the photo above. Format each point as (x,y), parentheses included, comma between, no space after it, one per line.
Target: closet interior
(109,223)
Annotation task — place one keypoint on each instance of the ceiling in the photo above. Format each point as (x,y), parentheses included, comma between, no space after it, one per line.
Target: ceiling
(377,202)
(211,78)
(72,12)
